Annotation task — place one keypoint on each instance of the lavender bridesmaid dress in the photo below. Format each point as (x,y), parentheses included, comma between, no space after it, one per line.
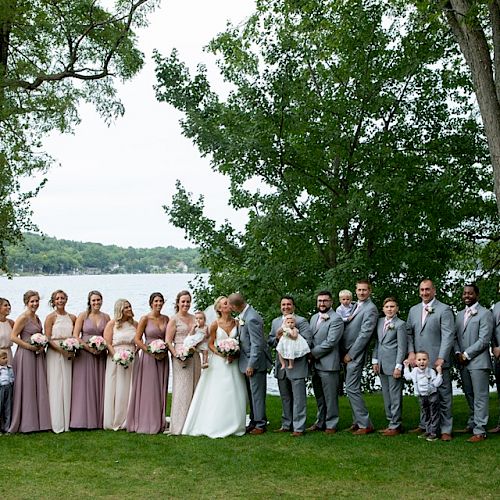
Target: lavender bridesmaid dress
(146,411)
(89,370)
(30,412)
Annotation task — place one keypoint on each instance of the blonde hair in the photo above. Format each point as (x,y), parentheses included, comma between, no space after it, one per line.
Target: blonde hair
(216,303)
(120,305)
(345,293)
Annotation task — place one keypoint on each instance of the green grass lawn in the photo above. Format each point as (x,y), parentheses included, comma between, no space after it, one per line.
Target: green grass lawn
(118,464)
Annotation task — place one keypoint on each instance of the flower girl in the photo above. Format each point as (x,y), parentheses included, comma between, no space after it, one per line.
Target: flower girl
(291,344)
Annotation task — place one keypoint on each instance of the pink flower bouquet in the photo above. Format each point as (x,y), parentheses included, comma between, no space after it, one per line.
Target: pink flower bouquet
(97,342)
(184,353)
(157,346)
(123,357)
(228,348)
(39,340)
(70,344)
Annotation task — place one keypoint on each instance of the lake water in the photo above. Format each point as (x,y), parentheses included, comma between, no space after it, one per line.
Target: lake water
(136,288)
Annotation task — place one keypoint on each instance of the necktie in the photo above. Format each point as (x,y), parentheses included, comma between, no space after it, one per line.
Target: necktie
(386,324)
(467,315)
(424,314)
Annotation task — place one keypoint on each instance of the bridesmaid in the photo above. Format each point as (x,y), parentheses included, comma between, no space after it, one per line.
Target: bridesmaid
(58,327)
(146,411)
(119,334)
(185,374)
(89,367)
(6,325)
(31,410)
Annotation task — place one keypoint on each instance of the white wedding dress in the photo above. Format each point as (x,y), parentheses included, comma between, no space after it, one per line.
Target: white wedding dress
(218,408)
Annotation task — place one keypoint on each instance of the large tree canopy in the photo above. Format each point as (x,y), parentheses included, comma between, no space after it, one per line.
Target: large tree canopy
(55,54)
(351,140)
(475,25)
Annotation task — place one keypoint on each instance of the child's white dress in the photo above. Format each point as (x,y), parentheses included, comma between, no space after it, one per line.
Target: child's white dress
(292,348)
(197,340)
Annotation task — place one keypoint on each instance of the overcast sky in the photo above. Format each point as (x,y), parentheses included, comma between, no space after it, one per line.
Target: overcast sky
(112,181)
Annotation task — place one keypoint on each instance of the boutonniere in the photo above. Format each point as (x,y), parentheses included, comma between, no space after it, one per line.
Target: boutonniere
(324,316)
(391,326)
(473,312)
(286,331)
(240,321)
(429,309)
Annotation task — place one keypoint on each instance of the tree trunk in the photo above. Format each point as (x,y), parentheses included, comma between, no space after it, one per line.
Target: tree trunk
(474,47)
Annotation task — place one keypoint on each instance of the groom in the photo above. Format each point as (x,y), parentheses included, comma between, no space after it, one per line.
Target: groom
(254,360)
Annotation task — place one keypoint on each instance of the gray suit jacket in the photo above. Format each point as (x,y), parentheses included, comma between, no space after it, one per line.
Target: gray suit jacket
(475,337)
(359,330)
(326,341)
(436,336)
(390,347)
(254,352)
(496,320)
(300,366)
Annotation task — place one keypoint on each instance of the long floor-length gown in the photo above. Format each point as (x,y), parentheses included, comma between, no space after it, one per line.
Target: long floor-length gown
(89,370)
(218,408)
(5,340)
(118,380)
(146,411)
(59,373)
(30,412)
(184,380)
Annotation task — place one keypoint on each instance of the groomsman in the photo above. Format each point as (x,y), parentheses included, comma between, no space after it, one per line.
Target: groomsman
(431,328)
(327,328)
(496,354)
(254,360)
(358,332)
(474,328)
(291,382)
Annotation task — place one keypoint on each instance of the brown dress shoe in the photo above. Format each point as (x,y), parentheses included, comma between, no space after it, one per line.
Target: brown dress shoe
(330,431)
(495,430)
(314,428)
(446,437)
(282,429)
(363,430)
(257,431)
(417,430)
(476,438)
(297,434)
(353,428)
(392,432)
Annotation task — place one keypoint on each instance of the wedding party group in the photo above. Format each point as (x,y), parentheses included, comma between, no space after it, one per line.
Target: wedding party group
(95,372)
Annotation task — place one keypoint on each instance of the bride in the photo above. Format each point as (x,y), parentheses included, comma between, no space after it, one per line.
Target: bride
(218,408)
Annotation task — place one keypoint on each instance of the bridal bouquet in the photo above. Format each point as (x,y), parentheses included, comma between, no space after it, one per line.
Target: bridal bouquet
(123,357)
(70,344)
(228,348)
(157,346)
(39,340)
(97,342)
